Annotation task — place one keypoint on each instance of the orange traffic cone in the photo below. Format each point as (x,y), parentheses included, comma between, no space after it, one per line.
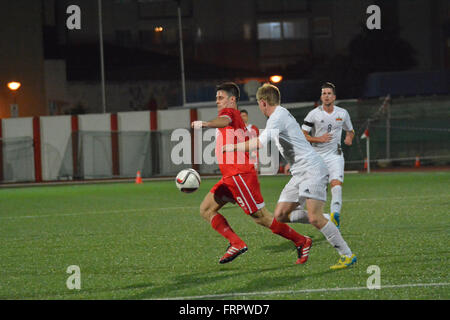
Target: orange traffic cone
(417,163)
(138,178)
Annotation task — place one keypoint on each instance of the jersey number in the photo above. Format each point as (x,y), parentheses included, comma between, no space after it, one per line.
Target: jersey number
(241,202)
(329,128)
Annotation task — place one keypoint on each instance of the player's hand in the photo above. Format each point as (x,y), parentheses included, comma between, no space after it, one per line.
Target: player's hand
(325,138)
(348,141)
(197,124)
(228,148)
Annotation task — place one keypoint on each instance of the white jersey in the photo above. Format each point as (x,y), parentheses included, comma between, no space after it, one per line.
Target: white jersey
(284,130)
(318,122)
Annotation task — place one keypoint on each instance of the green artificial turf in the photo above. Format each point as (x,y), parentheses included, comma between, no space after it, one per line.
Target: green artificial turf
(149,242)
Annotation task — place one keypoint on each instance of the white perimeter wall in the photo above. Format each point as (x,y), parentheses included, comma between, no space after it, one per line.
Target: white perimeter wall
(134,128)
(95,145)
(18,163)
(56,146)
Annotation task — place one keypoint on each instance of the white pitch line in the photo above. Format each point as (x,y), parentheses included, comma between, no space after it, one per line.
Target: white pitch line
(266,293)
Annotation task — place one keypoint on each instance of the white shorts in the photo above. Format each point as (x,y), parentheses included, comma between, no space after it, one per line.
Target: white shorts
(335,165)
(310,184)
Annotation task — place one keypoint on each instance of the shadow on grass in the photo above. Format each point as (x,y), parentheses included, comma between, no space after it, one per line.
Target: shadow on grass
(258,284)
(287,245)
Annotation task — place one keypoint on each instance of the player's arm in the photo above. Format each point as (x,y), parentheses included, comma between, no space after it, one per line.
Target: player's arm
(348,127)
(349,137)
(322,139)
(245,146)
(307,126)
(219,122)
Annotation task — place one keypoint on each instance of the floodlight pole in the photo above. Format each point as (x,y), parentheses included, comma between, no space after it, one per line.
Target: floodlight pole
(388,130)
(180,32)
(368,147)
(368,154)
(102,62)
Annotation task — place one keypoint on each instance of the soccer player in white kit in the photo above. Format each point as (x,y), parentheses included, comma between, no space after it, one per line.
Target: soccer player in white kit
(309,172)
(323,128)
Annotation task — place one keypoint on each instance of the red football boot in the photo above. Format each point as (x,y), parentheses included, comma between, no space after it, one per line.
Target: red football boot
(233,251)
(303,251)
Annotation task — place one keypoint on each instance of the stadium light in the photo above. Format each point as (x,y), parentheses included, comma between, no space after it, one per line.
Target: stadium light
(159,29)
(14,85)
(276,78)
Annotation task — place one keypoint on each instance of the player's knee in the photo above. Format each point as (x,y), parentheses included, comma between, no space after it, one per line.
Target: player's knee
(263,218)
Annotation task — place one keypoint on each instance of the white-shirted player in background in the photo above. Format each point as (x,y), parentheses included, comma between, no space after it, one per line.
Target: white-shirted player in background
(323,128)
(309,181)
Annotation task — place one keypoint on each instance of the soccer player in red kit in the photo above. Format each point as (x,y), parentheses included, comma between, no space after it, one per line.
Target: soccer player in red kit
(239,183)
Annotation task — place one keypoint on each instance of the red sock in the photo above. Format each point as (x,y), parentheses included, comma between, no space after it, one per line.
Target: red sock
(220,224)
(287,232)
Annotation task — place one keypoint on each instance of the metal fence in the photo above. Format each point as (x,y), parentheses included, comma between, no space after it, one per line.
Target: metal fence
(400,131)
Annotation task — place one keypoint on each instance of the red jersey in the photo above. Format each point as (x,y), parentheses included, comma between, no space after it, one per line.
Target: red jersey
(237,162)
(254,131)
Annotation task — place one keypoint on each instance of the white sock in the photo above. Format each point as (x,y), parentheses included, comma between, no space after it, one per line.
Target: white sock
(334,237)
(301,216)
(336,199)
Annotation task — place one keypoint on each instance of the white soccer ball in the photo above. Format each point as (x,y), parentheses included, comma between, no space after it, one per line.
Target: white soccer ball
(188,180)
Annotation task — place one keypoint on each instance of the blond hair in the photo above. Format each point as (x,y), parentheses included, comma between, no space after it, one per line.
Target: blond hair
(270,94)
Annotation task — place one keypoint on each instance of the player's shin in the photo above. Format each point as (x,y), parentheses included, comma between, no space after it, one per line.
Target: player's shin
(287,232)
(336,199)
(334,237)
(220,224)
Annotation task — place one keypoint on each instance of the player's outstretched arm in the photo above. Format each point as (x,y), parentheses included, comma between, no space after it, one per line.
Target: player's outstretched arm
(246,146)
(219,122)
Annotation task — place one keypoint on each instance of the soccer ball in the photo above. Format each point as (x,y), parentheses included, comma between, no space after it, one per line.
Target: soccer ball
(188,180)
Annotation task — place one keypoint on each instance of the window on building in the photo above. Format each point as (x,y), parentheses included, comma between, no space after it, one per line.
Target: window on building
(269,31)
(283,30)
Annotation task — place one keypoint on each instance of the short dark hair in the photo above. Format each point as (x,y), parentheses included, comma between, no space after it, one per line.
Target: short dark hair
(244,111)
(230,88)
(330,86)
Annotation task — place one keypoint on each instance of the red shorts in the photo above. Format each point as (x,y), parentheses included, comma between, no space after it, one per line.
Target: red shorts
(242,189)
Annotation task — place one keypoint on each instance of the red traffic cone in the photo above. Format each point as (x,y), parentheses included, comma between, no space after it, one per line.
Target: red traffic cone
(365,163)
(138,178)
(417,163)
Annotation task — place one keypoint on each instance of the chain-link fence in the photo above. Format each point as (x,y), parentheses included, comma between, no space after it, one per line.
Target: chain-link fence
(400,130)
(18,159)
